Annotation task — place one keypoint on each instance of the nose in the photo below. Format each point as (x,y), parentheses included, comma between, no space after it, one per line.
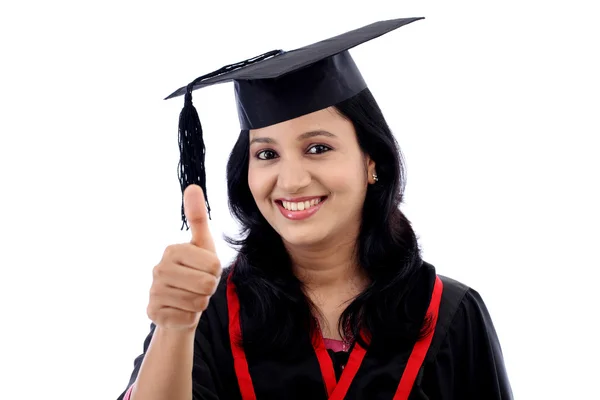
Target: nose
(293,176)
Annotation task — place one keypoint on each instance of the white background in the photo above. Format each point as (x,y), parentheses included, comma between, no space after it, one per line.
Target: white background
(495,105)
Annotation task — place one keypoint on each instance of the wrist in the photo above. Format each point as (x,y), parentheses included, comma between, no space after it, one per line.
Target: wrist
(174,334)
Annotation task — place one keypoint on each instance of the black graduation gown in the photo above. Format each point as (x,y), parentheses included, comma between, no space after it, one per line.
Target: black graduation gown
(464,360)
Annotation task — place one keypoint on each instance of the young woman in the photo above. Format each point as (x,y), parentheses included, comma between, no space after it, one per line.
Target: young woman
(328,297)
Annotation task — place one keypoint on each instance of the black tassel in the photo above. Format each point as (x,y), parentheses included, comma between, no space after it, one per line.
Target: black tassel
(191,152)
(191,142)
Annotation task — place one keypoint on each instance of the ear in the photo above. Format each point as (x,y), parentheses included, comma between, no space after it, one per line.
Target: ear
(371,171)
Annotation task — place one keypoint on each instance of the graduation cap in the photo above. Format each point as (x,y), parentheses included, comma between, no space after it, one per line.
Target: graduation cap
(274,87)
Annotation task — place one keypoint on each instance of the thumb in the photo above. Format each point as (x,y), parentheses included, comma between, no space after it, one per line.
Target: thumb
(197,216)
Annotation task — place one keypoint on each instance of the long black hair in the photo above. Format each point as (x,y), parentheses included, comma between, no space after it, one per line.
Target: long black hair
(275,313)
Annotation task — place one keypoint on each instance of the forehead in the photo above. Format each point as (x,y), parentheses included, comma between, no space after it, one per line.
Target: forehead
(328,119)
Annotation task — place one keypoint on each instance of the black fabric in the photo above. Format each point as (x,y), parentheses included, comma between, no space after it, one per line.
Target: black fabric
(464,362)
(339,360)
(294,375)
(468,363)
(266,102)
(279,85)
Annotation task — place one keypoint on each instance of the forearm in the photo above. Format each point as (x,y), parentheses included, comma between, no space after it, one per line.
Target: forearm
(166,372)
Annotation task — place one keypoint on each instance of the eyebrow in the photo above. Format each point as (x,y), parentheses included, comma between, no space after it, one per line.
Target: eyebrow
(304,136)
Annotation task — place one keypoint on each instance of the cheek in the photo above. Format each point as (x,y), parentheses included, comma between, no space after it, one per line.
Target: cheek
(344,179)
(258,182)
(253,183)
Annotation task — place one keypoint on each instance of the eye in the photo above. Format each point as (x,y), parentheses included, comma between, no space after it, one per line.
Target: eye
(266,155)
(318,149)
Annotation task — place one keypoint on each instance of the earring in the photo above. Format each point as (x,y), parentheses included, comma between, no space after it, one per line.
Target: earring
(375,177)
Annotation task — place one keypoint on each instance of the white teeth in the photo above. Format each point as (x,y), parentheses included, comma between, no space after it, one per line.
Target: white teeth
(300,206)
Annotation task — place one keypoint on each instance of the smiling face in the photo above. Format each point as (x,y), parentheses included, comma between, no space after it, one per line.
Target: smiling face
(309,177)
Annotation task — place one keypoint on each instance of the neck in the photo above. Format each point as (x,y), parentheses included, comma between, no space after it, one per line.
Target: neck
(327,268)
(332,278)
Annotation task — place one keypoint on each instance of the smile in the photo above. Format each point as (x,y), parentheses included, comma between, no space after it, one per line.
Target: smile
(302,208)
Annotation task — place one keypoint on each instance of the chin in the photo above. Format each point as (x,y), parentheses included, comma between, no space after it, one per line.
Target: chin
(303,236)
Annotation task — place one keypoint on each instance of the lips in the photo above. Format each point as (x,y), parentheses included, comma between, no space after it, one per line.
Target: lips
(301,207)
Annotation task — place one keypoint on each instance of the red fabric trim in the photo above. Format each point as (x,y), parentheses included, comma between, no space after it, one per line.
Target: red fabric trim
(420,350)
(235,333)
(354,361)
(335,390)
(325,363)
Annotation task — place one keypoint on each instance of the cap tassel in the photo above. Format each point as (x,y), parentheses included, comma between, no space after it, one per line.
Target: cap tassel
(191,143)
(191,151)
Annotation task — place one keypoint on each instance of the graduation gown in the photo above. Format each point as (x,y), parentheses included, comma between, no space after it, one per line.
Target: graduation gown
(461,360)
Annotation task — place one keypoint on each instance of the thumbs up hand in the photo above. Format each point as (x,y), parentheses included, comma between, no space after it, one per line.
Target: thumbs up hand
(188,274)
(197,217)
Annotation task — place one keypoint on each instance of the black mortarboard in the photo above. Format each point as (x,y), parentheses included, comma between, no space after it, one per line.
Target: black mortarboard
(275,87)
